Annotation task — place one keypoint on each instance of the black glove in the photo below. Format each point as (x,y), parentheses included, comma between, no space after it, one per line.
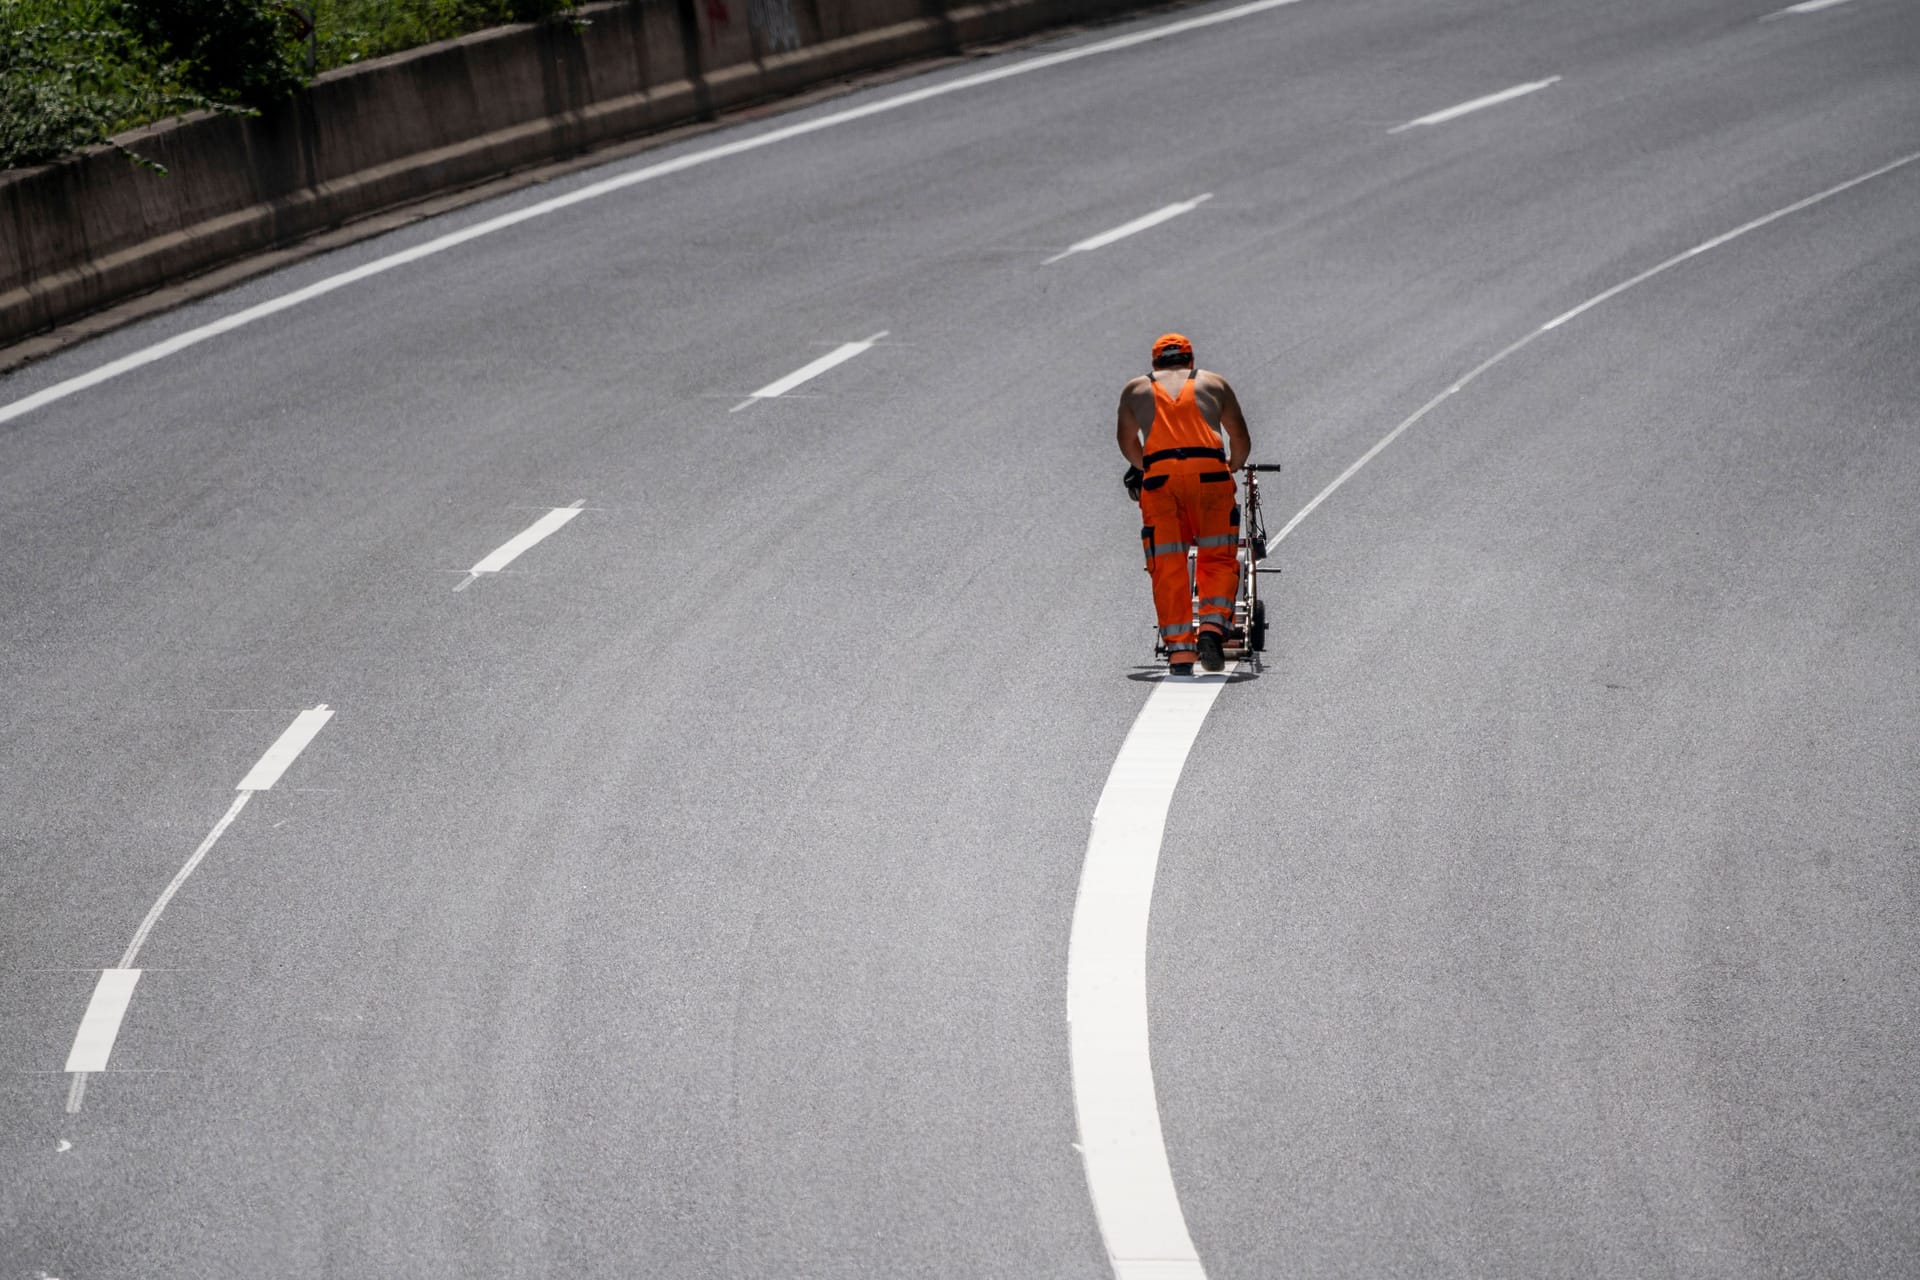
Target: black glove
(1132,480)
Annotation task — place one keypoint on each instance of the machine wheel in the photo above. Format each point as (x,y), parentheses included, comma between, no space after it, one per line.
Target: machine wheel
(1257,627)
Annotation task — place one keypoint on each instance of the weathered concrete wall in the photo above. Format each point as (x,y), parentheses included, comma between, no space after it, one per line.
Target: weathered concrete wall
(87,231)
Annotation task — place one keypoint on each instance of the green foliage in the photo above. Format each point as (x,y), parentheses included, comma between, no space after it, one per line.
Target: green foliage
(74,72)
(349,31)
(230,50)
(74,77)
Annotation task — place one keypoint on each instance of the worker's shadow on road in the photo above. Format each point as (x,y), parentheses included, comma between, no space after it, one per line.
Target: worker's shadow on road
(1156,673)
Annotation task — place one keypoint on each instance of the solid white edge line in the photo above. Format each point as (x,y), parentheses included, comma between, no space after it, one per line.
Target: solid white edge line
(510,550)
(100,1027)
(291,742)
(740,146)
(1138,225)
(1492,99)
(812,369)
(1122,1144)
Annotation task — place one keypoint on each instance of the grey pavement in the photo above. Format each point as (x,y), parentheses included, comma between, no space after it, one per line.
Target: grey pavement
(692,898)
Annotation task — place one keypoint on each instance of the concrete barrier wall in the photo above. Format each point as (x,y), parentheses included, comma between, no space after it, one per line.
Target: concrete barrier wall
(94,229)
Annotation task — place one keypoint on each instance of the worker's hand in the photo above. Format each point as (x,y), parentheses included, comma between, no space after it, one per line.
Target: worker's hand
(1132,480)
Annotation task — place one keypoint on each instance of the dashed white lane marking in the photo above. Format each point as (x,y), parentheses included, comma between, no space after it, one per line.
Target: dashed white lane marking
(1128,1176)
(607,186)
(811,370)
(286,749)
(1138,225)
(1807,6)
(510,550)
(100,1026)
(1492,99)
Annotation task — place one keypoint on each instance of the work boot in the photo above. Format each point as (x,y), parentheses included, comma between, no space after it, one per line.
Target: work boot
(1211,658)
(1179,668)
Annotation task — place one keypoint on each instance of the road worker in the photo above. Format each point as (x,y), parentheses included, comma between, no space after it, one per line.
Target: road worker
(1184,436)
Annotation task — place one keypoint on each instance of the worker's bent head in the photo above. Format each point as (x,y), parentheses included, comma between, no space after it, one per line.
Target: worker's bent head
(1172,351)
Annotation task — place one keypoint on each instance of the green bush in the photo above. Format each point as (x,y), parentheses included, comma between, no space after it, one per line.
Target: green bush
(75,77)
(230,50)
(349,31)
(78,71)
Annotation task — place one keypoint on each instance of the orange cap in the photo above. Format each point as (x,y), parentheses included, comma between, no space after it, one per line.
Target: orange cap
(1171,344)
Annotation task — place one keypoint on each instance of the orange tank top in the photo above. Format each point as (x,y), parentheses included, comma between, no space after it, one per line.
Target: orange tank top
(1180,438)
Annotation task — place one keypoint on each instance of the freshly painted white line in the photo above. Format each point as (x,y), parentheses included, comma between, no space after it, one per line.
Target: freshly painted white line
(1584,307)
(811,370)
(290,744)
(510,550)
(690,160)
(93,1043)
(1809,6)
(1138,225)
(1120,1136)
(1492,99)
(1128,1176)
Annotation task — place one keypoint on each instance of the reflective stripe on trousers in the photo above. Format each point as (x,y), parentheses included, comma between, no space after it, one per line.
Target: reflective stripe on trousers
(1216,609)
(1201,514)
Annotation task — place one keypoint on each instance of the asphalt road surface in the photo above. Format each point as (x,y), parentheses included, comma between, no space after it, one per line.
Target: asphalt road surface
(691,896)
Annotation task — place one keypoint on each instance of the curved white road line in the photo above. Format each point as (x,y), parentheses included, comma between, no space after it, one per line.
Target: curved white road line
(1126,1158)
(607,186)
(1121,1143)
(100,1025)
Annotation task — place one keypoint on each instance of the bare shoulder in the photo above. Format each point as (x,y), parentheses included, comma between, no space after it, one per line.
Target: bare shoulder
(1208,380)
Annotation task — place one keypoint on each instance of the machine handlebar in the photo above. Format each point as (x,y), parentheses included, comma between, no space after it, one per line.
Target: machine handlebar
(1263,466)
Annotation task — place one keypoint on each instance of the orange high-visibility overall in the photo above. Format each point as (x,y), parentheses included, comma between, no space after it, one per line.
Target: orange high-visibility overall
(1187,499)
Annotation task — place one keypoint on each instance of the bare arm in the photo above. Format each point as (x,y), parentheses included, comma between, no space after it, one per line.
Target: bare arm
(1239,444)
(1128,432)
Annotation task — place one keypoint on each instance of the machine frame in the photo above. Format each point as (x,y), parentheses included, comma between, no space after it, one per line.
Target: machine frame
(1246,639)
